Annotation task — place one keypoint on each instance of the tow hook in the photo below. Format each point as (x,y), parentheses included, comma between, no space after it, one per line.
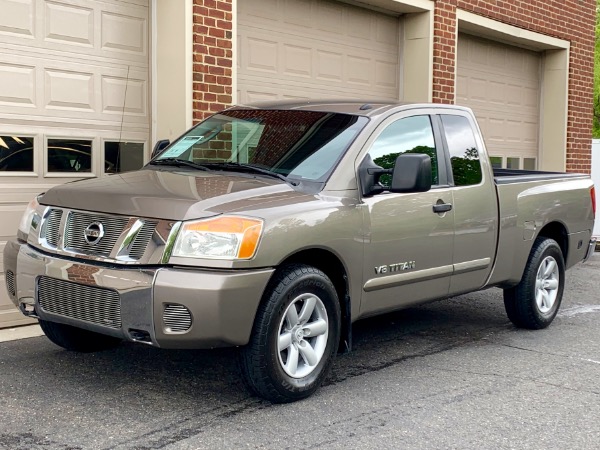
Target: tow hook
(27,307)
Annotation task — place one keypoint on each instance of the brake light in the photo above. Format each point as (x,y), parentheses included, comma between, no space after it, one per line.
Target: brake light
(593,195)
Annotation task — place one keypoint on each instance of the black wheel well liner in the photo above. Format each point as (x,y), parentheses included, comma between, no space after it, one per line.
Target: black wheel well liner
(558,232)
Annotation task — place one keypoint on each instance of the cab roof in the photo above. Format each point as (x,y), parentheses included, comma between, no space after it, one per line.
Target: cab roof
(368,108)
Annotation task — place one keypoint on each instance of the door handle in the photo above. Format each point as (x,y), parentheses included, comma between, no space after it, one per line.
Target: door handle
(442,208)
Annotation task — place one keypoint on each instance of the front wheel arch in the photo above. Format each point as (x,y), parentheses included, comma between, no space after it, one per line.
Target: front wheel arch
(260,360)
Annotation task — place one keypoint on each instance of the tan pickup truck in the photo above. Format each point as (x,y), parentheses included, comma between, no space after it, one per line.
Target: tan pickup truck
(275,227)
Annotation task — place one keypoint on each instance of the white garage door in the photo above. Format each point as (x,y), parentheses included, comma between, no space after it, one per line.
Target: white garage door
(74,84)
(299,49)
(502,85)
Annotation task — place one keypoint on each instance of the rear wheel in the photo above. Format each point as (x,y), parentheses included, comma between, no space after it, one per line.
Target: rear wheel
(535,301)
(77,339)
(295,336)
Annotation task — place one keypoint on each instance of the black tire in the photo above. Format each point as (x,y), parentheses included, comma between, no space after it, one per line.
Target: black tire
(262,363)
(520,301)
(77,339)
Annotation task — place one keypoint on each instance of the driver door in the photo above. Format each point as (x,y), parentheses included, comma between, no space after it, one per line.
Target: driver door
(408,249)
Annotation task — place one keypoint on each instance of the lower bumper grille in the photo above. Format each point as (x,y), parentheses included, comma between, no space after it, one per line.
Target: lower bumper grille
(77,301)
(177,318)
(10,283)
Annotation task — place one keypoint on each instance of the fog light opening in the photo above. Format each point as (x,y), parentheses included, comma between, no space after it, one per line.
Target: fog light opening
(177,319)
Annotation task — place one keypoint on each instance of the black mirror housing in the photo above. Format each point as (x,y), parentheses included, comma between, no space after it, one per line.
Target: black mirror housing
(412,173)
(159,147)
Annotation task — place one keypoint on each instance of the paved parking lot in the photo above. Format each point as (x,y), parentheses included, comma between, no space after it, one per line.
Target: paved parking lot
(451,374)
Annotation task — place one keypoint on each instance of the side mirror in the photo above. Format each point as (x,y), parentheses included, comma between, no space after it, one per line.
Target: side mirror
(159,147)
(412,173)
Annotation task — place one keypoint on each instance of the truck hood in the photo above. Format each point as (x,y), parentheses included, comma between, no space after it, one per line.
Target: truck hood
(172,195)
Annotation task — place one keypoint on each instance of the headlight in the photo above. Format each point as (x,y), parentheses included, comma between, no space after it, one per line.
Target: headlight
(226,237)
(25,224)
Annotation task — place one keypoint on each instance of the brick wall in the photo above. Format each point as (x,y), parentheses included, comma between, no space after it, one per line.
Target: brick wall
(571,20)
(213,58)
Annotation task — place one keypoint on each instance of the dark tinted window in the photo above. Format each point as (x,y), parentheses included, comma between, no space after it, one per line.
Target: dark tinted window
(123,156)
(16,154)
(297,144)
(409,135)
(464,156)
(69,155)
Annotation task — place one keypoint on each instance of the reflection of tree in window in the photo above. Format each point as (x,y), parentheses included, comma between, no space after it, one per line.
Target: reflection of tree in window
(388,161)
(409,135)
(464,156)
(466,170)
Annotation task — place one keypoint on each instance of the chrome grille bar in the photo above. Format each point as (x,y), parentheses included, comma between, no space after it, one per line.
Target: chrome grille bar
(140,243)
(78,221)
(78,301)
(52,227)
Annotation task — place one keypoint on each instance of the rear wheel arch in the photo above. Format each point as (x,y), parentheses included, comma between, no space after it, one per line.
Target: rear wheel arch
(558,232)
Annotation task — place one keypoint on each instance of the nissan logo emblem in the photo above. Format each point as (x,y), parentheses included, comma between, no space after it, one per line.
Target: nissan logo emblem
(93,233)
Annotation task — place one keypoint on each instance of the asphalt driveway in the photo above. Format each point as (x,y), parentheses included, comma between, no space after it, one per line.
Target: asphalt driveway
(452,374)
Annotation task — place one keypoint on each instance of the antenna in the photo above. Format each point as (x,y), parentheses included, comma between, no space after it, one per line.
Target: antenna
(122,118)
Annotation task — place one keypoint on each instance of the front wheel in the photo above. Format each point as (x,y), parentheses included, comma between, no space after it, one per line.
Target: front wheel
(295,336)
(534,302)
(77,339)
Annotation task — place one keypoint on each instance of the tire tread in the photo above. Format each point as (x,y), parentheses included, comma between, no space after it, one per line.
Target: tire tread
(253,363)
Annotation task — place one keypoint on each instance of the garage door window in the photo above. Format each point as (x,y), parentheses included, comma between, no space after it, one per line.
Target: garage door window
(123,156)
(69,155)
(16,154)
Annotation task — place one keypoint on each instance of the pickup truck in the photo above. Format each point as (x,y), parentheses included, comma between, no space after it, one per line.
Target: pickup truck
(274,227)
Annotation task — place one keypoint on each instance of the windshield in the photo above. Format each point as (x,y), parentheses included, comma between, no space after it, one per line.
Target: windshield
(295,144)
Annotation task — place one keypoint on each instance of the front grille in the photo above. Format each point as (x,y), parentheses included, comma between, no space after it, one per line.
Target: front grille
(177,318)
(77,222)
(77,301)
(10,283)
(138,247)
(52,229)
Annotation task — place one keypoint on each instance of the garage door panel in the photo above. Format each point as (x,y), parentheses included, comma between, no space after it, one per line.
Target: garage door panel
(316,49)
(69,24)
(502,85)
(17,85)
(124,33)
(110,29)
(17,17)
(69,69)
(69,90)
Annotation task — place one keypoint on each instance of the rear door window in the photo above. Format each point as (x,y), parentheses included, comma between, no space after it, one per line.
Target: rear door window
(464,154)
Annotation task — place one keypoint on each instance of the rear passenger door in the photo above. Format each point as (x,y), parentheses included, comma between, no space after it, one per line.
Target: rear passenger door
(474,202)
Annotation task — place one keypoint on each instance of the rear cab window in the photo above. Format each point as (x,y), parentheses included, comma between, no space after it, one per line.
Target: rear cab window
(462,147)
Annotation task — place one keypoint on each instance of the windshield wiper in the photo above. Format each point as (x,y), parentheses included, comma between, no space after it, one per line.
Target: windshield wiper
(241,167)
(177,163)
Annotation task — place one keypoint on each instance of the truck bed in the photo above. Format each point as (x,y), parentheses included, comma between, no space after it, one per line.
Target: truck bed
(509,176)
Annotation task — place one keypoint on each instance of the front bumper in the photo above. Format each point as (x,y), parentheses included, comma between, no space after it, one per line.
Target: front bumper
(222,304)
